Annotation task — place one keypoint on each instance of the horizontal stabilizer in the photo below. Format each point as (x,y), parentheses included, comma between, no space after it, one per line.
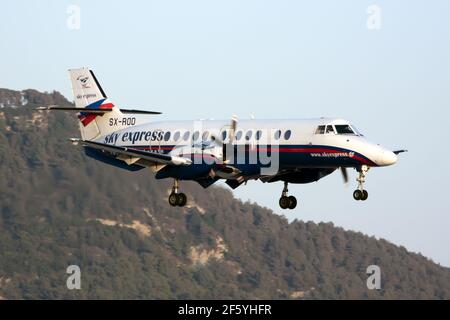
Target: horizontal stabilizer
(139,111)
(95,110)
(89,110)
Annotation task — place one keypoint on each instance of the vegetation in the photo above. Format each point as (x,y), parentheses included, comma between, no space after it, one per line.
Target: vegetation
(59,208)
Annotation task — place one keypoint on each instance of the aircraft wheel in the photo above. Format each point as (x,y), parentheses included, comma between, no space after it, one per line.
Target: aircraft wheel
(292,202)
(173,199)
(357,195)
(284,202)
(182,199)
(365,195)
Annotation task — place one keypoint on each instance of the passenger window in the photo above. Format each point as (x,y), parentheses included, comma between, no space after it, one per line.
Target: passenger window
(205,135)
(239,135)
(186,136)
(195,136)
(329,129)
(176,136)
(167,136)
(224,135)
(277,134)
(258,134)
(320,130)
(287,135)
(248,135)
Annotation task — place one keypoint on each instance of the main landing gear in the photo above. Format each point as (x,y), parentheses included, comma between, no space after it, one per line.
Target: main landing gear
(287,202)
(360,193)
(177,199)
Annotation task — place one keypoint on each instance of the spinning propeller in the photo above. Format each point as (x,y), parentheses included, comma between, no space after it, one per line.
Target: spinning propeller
(229,144)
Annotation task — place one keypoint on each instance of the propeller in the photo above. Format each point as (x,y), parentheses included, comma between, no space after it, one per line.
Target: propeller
(231,137)
(344,174)
(233,126)
(232,134)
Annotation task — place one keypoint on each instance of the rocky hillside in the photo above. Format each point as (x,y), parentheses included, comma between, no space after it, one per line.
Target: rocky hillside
(59,208)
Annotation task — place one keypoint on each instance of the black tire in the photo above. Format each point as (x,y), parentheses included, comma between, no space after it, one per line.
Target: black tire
(292,202)
(365,195)
(284,202)
(173,199)
(182,199)
(357,195)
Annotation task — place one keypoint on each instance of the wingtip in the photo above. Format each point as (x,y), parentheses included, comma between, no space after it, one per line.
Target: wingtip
(74,141)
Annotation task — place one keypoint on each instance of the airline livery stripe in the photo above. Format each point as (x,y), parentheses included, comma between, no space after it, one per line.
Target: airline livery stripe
(86,117)
(285,149)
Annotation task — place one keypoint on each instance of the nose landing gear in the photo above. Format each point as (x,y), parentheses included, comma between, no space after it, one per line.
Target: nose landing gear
(287,202)
(175,198)
(360,193)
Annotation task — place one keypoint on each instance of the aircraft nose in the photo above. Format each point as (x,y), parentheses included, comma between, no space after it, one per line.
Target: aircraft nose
(388,158)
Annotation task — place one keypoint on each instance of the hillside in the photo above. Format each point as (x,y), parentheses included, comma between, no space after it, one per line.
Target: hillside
(59,208)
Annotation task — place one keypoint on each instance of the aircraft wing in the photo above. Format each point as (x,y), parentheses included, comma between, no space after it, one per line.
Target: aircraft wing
(131,155)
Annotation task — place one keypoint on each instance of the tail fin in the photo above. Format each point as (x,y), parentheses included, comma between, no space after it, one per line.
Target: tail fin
(86,88)
(89,95)
(98,116)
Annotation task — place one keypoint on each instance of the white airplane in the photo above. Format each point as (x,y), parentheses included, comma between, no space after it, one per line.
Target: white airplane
(292,151)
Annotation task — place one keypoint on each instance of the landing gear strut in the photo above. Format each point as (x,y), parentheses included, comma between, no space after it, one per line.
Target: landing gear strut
(360,193)
(175,198)
(287,202)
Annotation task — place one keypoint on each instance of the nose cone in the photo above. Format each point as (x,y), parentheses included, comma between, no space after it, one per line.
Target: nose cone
(388,158)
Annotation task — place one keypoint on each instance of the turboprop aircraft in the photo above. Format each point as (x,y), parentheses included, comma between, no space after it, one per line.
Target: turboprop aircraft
(205,151)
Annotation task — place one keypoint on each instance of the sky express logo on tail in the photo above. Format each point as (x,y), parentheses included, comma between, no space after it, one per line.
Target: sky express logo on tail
(83,80)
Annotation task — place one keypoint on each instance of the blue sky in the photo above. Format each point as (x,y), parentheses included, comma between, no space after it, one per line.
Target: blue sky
(271,59)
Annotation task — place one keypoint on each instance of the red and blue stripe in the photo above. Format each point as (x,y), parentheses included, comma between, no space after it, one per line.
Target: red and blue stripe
(87,117)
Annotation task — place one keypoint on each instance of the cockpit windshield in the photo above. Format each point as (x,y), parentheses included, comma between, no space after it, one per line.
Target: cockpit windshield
(357,132)
(344,129)
(330,129)
(338,129)
(320,130)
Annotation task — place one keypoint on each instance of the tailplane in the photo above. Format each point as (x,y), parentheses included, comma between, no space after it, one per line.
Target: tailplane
(98,116)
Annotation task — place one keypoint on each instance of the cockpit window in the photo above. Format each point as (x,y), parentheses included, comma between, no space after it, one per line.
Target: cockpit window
(320,130)
(355,129)
(344,129)
(329,129)
(338,129)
